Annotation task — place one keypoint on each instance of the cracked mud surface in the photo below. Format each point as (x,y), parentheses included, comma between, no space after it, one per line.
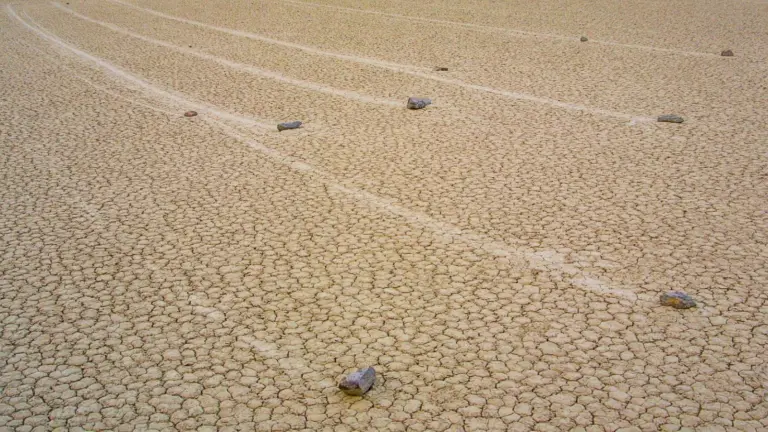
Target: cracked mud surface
(497,257)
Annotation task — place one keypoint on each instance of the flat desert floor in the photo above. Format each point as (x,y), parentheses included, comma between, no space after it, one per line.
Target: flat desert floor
(498,257)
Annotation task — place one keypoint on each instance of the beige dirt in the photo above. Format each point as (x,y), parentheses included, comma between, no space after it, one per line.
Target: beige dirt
(497,257)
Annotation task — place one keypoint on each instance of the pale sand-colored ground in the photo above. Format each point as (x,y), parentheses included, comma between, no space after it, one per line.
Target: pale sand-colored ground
(497,257)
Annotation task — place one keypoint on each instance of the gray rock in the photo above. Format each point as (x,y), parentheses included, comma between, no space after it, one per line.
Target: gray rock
(359,382)
(727,53)
(584,39)
(289,125)
(678,300)
(415,103)
(670,118)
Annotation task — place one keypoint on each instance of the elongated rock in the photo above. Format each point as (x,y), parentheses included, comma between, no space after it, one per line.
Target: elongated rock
(440,69)
(678,300)
(190,113)
(415,103)
(359,382)
(670,118)
(584,39)
(289,125)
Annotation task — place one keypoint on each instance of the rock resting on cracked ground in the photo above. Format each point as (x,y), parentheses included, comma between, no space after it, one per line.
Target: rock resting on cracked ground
(670,118)
(678,300)
(288,125)
(415,103)
(359,382)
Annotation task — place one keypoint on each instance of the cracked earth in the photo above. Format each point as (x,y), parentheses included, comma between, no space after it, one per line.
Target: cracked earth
(497,257)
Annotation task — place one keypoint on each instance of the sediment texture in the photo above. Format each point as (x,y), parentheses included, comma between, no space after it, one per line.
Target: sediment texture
(498,257)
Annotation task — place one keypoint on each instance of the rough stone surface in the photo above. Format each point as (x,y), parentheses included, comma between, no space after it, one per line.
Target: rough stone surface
(670,118)
(415,103)
(359,382)
(288,125)
(678,300)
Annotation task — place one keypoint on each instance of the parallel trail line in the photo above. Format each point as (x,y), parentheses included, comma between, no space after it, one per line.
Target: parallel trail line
(406,69)
(248,35)
(98,87)
(487,28)
(239,66)
(146,86)
(545,260)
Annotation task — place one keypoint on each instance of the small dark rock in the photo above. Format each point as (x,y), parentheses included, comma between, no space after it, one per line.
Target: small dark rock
(727,53)
(190,113)
(678,300)
(441,69)
(359,382)
(289,125)
(584,39)
(670,118)
(415,103)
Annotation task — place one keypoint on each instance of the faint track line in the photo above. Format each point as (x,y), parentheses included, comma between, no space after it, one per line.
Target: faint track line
(248,35)
(549,261)
(110,92)
(98,87)
(239,66)
(139,82)
(487,28)
(406,69)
